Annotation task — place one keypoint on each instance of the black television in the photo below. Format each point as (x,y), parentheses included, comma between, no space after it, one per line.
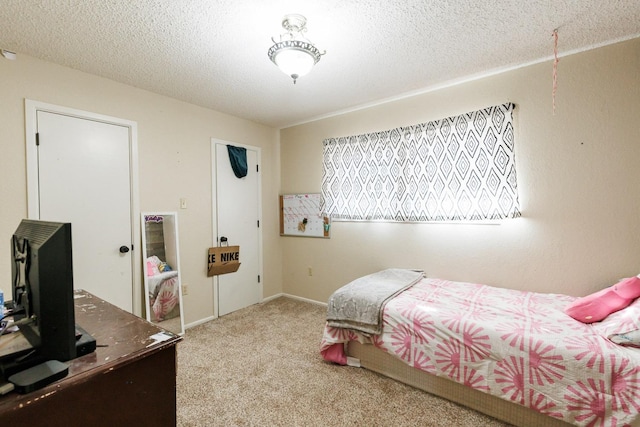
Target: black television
(42,291)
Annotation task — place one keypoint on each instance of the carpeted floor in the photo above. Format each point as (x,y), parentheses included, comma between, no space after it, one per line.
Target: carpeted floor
(261,366)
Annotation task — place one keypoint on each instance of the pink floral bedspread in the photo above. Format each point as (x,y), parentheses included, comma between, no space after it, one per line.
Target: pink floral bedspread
(517,345)
(163,295)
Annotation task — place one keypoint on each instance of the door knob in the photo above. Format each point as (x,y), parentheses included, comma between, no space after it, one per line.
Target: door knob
(124,249)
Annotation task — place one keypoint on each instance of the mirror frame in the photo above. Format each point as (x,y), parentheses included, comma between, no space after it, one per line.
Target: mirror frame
(172,257)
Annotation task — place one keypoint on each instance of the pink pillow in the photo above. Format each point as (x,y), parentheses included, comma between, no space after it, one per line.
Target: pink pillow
(621,321)
(151,268)
(597,306)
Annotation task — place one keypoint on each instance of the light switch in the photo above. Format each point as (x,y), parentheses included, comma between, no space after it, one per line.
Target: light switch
(183,203)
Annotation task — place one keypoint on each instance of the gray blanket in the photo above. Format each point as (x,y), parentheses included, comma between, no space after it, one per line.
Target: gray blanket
(358,305)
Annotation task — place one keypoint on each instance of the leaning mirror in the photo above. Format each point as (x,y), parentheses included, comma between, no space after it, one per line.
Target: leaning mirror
(161,265)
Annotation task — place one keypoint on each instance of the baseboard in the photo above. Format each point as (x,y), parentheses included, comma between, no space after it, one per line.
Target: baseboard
(311,301)
(198,322)
(282,294)
(271,298)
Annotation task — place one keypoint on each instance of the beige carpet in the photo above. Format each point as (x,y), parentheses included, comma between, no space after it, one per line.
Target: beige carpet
(260,366)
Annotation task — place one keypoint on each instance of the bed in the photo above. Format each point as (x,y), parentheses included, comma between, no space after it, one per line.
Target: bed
(514,355)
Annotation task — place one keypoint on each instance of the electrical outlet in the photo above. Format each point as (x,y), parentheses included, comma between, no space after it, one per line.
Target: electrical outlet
(310,271)
(185,290)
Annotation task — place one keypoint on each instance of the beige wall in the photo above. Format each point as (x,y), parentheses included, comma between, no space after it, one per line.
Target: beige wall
(578,180)
(174,162)
(576,170)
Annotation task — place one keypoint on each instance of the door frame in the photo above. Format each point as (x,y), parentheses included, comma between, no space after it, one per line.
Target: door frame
(214,213)
(33,205)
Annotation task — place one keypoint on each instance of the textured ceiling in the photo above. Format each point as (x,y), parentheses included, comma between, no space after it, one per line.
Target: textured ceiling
(213,53)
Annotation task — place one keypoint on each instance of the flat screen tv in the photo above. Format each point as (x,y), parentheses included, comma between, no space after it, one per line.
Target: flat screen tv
(42,289)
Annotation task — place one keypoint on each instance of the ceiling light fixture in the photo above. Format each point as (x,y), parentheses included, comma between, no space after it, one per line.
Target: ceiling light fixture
(294,54)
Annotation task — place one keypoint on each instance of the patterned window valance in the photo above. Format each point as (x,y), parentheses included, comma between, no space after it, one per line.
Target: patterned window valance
(458,168)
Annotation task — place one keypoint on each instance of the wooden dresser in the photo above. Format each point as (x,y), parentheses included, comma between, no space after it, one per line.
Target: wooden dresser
(127,381)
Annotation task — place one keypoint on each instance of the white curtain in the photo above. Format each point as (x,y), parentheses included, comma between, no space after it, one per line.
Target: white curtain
(455,169)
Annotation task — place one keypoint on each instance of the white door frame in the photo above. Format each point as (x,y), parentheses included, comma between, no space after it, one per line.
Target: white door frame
(33,204)
(214,216)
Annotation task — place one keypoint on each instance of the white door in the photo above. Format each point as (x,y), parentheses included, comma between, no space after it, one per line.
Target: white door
(238,215)
(84,177)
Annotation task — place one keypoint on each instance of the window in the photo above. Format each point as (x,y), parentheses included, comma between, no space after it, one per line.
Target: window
(455,169)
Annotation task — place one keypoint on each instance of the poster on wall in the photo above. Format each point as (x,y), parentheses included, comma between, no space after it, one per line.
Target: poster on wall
(300,216)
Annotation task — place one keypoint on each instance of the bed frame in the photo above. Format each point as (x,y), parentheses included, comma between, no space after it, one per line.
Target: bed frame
(383,363)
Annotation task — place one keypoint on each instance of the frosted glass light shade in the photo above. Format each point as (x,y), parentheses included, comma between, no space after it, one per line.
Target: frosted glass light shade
(294,57)
(294,62)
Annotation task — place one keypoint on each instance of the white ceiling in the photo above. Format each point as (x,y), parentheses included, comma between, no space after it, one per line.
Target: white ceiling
(213,53)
